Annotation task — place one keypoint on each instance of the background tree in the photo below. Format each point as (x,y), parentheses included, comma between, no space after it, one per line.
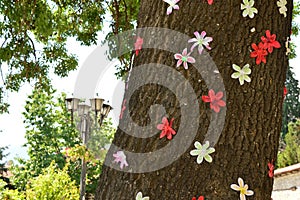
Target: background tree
(49,131)
(291,104)
(249,140)
(291,154)
(33,39)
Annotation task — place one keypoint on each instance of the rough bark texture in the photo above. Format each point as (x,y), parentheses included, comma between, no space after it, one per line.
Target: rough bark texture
(250,136)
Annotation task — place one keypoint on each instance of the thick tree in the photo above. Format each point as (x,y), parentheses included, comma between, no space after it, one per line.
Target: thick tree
(248,141)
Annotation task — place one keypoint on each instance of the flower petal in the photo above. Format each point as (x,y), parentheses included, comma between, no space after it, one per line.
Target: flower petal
(236,67)
(235,75)
(199,159)
(198,145)
(208,158)
(235,187)
(194,152)
(241,182)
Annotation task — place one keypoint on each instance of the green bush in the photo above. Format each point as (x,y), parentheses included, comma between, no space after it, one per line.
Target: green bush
(6,194)
(53,184)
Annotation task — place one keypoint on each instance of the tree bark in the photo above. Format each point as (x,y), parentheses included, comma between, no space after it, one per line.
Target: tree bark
(248,139)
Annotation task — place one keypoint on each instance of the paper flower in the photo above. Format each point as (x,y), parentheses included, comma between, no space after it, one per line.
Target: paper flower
(184,58)
(120,157)
(200,198)
(248,8)
(270,41)
(271,169)
(139,196)
(259,53)
(242,74)
(172,5)
(214,100)
(202,151)
(166,128)
(123,109)
(200,41)
(282,7)
(210,2)
(285,91)
(138,45)
(243,189)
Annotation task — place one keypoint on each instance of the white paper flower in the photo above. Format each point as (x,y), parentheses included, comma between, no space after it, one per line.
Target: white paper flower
(139,196)
(200,41)
(287,44)
(242,74)
(248,8)
(172,5)
(282,7)
(202,152)
(120,157)
(242,188)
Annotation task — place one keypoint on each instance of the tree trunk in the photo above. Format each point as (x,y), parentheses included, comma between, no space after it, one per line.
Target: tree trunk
(245,141)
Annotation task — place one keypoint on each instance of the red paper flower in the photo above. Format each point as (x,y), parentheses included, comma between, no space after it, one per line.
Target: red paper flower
(210,2)
(285,92)
(259,53)
(166,128)
(200,198)
(270,41)
(215,100)
(271,169)
(138,45)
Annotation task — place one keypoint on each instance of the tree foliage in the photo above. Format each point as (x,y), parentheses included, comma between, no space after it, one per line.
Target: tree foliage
(291,153)
(33,37)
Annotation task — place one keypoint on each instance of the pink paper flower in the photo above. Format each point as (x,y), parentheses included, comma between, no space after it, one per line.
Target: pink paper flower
(184,58)
(259,53)
(138,45)
(123,109)
(200,41)
(166,128)
(215,100)
(172,5)
(120,157)
(270,41)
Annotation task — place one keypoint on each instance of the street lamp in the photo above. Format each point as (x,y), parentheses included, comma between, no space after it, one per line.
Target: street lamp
(83,109)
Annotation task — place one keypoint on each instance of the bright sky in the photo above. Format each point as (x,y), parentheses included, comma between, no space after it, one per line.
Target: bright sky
(12,124)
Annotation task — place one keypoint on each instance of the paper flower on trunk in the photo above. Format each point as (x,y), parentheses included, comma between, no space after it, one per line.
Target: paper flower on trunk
(184,58)
(166,128)
(242,188)
(172,5)
(139,196)
(210,2)
(138,45)
(199,198)
(242,73)
(215,100)
(248,8)
(271,169)
(120,157)
(270,41)
(259,53)
(282,7)
(202,151)
(200,41)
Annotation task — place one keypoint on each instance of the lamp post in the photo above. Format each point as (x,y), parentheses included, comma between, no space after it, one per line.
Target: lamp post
(100,109)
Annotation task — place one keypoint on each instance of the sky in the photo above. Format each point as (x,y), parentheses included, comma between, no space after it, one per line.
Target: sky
(12,126)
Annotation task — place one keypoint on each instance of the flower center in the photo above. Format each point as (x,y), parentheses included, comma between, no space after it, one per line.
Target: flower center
(243,191)
(184,58)
(200,41)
